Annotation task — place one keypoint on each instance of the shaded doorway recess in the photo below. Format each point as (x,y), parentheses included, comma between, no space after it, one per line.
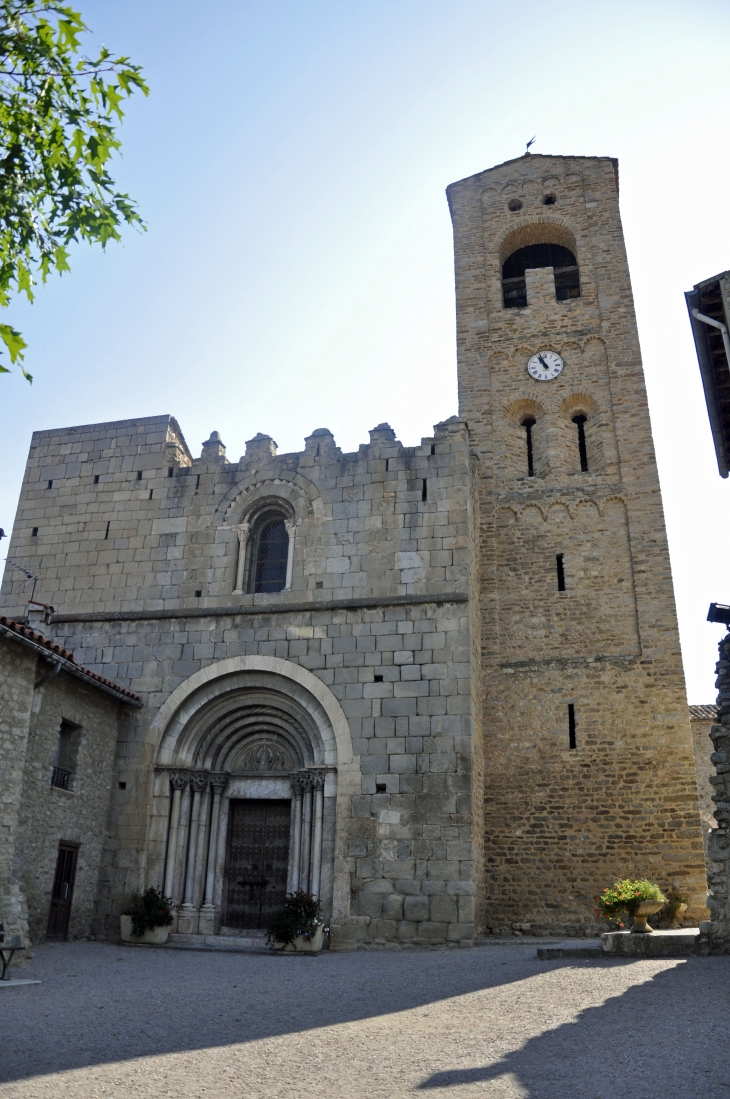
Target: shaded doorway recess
(63,891)
(258,861)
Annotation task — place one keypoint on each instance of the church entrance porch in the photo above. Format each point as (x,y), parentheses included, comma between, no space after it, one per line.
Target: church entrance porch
(257,863)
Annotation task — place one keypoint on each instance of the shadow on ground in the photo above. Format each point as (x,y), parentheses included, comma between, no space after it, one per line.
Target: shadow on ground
(664,1035)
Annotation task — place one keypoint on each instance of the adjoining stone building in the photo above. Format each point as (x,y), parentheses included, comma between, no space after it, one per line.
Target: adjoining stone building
(59,727)
(440,686)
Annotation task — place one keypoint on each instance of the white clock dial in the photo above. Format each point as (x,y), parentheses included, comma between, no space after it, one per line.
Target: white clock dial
(544,366)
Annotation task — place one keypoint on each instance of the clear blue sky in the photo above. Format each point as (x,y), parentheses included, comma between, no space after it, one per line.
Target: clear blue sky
(291,163)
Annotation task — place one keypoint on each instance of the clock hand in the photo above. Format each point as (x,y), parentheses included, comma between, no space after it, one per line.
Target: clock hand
(545,365)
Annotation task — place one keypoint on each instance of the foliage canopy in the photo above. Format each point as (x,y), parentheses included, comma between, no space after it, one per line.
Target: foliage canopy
(58,113)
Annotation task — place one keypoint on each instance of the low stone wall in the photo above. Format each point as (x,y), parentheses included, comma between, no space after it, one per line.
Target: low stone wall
(718,875)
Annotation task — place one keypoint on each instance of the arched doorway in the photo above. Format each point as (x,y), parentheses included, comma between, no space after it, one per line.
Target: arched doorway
(245,795)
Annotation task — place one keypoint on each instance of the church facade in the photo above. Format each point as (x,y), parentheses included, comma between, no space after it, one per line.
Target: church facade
(439,687)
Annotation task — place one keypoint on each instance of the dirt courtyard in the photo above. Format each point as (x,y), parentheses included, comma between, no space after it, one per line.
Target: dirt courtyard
(111,1021)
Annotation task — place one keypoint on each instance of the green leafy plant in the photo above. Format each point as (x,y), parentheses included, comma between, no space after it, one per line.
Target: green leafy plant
(301,914)
(58,112)
(626,896)
(149,910)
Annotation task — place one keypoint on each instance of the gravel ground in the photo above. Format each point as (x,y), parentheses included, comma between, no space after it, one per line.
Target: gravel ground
(112,1021)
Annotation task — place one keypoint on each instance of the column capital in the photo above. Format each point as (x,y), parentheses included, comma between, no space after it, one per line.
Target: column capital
(199,780)
(179,779)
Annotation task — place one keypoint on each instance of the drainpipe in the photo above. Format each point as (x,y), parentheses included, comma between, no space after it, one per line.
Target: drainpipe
(715,324)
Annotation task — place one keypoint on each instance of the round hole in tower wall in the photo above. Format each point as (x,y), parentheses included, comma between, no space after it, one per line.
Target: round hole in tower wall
(549,200)
(514,205)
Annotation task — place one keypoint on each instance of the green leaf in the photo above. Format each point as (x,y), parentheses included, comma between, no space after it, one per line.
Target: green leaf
(13,341)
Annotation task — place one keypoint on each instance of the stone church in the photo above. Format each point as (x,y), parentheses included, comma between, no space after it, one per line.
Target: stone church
(440,686)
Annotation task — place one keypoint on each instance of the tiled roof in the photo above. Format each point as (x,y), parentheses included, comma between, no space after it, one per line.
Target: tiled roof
(26,633)
(703,713)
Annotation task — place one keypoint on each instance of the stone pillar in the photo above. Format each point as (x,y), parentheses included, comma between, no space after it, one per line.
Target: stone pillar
(296,832)
(318,783)
(291,528)
(209,913)
(183,835)
(188,916)
(306,848)
(718,847)
(243,530)
(178,782)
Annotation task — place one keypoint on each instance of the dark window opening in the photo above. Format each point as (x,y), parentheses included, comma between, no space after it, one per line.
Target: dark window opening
(514,205)
(548,200)
(433,448)
(34,532)
(199,593)
(50,484)
(528,423)
(580,422)
(122,786)
(316,453)
(271,548)
(380,788)
(377,679)
(67,751)
(139,474)
(319,584)
(561,571)
(96,478)
(571,726)
(150,495)
(424,489)
(562,260)
(197,482)
(387,463)
(170,471)
(106,532)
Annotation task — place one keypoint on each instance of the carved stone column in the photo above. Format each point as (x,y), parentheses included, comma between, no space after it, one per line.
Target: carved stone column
(178,782)
(209,912)
(188,917)
(243,530)
(296,833)
(316,875)
(291,529)
(306,848)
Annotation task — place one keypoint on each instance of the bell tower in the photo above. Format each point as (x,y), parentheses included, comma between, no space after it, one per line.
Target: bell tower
(586,756)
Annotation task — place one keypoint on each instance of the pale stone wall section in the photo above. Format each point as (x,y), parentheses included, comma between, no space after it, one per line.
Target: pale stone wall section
(17,675)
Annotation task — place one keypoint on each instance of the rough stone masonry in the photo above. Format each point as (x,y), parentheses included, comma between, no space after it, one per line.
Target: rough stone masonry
(440,686)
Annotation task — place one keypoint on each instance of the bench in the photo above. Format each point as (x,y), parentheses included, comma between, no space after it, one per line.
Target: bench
(7,949)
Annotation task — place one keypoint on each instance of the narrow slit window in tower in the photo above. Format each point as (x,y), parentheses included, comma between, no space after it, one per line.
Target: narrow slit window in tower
(571,726)
(528,425)
(580,422)
(139,474)
(561,571)
(96,479)
(424,489)
(106,532)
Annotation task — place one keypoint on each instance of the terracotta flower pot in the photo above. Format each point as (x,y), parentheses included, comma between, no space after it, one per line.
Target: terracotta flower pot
(646,908)
(312,945)
(157,935)
(676,923)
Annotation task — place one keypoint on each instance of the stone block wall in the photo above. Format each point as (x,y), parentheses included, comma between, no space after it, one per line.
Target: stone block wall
(17,675)
(701,720)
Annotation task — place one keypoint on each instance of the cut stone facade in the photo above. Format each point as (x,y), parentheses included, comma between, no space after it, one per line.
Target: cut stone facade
(378,638)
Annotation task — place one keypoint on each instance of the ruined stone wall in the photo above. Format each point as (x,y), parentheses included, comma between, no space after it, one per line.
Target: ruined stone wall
(142,571)
(701,720)
(560,821)
(718,848)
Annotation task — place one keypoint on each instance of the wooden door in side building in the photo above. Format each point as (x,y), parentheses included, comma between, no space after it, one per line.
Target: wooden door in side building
(258,861)
(63,892)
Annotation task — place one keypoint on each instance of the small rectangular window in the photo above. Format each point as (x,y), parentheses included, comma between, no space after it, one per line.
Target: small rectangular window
(96,478)
(387,463)
(424,489)
(139,474)
(199,593)
(571,726)
(561,571)
(34,532)
(197,482)
(433,448)
(106,532)
(50,484)
(377,679)
(150,495)
(381,788)
(170,471)
(66,758)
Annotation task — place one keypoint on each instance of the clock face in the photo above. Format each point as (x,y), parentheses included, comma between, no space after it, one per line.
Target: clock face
(544,366)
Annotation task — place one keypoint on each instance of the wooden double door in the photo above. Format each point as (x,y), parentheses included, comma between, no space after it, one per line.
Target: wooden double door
(258,861)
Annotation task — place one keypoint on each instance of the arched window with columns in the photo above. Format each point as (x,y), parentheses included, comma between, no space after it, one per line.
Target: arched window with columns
(265,551)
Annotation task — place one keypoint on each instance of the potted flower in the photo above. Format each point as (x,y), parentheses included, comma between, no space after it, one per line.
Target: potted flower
(298,925)
(675,909)
(639,898)
(147,918)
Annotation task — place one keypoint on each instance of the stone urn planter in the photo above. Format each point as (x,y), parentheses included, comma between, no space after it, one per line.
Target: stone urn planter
(676,923)
(646,908)
(157,935)
(312,945)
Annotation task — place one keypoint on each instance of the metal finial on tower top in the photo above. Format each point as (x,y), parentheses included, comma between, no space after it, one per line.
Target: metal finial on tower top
(529,143)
